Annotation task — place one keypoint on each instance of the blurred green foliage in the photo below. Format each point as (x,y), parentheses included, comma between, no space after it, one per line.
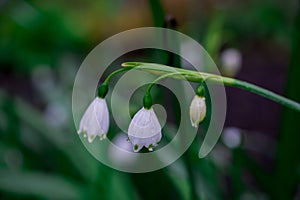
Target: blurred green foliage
(41,46)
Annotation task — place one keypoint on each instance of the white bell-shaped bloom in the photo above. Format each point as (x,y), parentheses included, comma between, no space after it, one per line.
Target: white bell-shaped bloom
(95,120)
(144,130)
(197,110)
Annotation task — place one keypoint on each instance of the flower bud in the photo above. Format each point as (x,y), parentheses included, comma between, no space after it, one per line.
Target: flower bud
(197,110)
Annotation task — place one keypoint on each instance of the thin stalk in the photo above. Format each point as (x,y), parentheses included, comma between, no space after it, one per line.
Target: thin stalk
(103,88)
(115,73)
(287,158)
(194,76)
(186,158)
(160,78)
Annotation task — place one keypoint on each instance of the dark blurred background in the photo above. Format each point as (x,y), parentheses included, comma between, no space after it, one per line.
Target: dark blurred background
(42,44)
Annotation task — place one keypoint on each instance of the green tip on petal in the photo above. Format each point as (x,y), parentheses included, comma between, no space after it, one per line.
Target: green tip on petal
(150,147)
(91,138)
(136,147)
(102,136)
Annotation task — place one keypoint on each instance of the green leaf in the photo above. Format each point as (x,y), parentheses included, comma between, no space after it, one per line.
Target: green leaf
(158,13)
(73,150)
(286,176)
(39,184)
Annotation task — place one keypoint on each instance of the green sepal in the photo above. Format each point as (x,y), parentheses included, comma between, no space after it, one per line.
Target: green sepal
(102,90)
(147,101)
(201,90)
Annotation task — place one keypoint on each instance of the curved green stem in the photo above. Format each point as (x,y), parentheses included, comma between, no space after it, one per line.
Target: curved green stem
(265,93)
(103,88)
(114,73)
(195,76)
(160,78)
(147,100)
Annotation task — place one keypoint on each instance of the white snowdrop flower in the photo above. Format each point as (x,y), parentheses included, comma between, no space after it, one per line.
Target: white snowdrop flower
(231,60)
(95,120)
(197,110)
(144,130)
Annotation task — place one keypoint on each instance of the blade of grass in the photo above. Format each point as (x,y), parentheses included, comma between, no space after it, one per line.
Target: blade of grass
(34,118)
(286,174)
(158,13)
(159,180)
(39,185)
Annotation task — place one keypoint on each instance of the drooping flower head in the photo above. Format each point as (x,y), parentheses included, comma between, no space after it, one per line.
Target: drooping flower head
(198,107)
(95,120)
(144,129)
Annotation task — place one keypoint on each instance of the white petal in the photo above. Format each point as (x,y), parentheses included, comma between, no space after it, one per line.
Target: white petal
(144,124)
(150,143)
(144,129)
(86,117)
(102,117)
(197,110)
